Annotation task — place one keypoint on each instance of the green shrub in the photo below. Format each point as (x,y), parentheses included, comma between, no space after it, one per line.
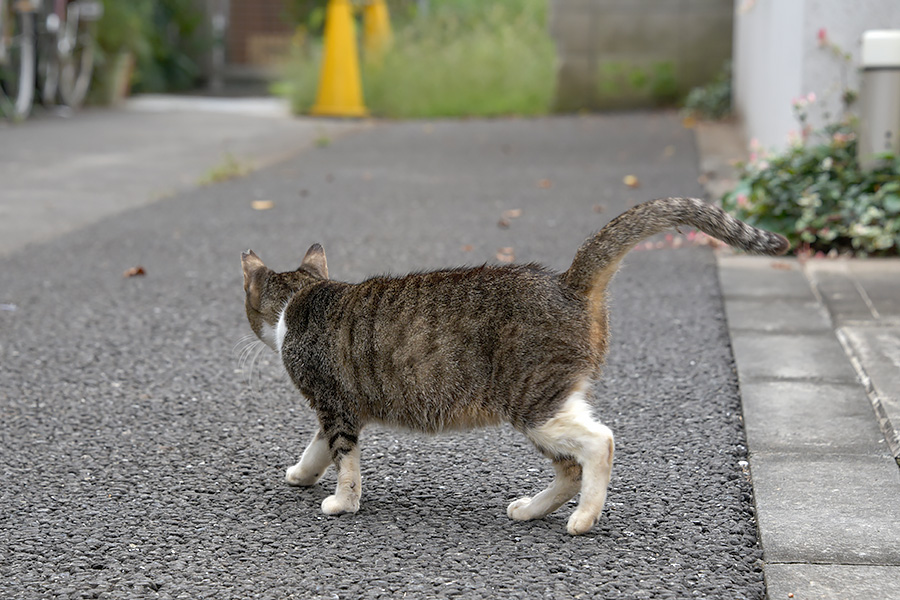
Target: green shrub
(467,58)
(817,195)
(713,100)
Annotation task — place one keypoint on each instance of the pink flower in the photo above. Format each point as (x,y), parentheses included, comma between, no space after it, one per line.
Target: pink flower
(811,97)
(742,201)
(843,138)
(822,37)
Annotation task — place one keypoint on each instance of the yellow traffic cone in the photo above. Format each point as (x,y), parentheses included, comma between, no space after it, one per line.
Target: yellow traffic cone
(340,90)
(377,34)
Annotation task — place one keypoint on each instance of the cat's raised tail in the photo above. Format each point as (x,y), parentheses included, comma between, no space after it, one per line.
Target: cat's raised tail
(598,258)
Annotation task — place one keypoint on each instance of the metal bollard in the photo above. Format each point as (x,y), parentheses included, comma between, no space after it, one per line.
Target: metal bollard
(879,96)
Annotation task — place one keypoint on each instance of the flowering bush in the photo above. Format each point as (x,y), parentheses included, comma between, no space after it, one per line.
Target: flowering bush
(818,197)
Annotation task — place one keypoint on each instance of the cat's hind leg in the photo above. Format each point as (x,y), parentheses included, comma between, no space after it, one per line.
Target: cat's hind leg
(573,432)
(313,464)
(564,487)
(345,455)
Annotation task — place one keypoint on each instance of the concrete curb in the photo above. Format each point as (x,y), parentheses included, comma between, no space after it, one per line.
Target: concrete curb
(817,351)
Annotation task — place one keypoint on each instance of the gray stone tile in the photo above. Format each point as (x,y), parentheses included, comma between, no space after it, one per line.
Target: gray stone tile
(830,509)
(778,315)
(832,582)
(878,350)
(839,291)
(812,418)
(766,277)
(787,356)
(878,277)
(882,290)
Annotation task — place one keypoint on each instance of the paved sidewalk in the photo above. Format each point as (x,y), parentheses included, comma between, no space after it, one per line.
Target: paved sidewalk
(817,347)
(60,174)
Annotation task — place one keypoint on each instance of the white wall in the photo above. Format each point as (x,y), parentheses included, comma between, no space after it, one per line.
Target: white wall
(777,57)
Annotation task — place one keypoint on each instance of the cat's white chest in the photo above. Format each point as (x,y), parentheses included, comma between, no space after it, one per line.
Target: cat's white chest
(280,331)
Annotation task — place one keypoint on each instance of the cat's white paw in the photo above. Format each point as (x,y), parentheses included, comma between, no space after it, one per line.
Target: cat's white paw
(518,509)
(581,522)
(335,505)
(298,475)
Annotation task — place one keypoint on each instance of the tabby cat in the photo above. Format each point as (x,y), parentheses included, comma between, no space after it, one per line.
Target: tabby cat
(465,347)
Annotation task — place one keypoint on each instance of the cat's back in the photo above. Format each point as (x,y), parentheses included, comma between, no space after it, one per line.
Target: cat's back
(484,297)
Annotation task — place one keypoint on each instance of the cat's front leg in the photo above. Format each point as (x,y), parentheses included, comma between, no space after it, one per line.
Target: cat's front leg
(313,464)
(345,455)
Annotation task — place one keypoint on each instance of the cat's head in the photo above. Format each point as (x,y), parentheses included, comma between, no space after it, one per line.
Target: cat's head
(268,292)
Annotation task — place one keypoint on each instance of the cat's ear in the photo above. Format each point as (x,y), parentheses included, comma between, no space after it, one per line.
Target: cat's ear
(315,261)
(252,265)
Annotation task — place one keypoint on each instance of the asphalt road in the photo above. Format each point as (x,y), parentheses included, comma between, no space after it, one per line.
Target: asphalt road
(138,461)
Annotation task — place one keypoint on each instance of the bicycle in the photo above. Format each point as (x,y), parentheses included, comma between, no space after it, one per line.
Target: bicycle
(65,40)
(17,58)
(46,45)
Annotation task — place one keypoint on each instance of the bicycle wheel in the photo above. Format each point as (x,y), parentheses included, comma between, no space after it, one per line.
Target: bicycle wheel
(76,51)
(47,26)
(17,66)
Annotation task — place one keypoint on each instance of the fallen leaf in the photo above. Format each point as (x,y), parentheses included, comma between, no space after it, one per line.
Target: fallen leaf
(506,255)
(137,271)
(503,224)
(689,122)
(703,179)
(544,184)
(467,248)
(599,208)
(631,181)
(512,213)
(262,204)
(782,266)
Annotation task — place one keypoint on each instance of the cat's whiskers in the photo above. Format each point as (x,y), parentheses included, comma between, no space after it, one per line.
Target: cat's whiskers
(250,351)
(242,341)
(254,362)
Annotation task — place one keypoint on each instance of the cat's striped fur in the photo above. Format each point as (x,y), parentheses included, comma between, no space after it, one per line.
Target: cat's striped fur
(462,348)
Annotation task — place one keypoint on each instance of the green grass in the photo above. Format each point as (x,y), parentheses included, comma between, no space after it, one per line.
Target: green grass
(229,168)
(468,58)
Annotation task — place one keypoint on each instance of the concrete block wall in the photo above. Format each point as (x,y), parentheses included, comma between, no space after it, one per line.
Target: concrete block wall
(636,53)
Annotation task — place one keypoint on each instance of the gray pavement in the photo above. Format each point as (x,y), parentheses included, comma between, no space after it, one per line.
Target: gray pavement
(58,173)
(139,462)
(817,349)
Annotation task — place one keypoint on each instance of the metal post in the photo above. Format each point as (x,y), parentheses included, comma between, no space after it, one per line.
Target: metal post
(879,129)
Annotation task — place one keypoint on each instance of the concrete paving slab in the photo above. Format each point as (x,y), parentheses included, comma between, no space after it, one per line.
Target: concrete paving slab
(787,356)
(763,277)
(773,315)
(828,509)
(877,348)
(831,582)
(874,280)
(810,418)
(842,294)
